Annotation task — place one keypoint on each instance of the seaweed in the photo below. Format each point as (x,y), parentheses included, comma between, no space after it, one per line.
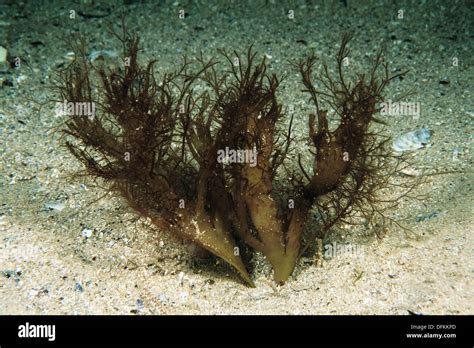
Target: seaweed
(164,147)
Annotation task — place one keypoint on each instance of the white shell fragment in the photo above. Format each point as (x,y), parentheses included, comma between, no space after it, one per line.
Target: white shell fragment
(70,56)
(86,233)
(413,140)
(96,54)
(410,171)
(181,278)
(3,54)
(54,206)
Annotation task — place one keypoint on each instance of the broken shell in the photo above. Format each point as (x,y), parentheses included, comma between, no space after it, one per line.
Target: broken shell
(413,140)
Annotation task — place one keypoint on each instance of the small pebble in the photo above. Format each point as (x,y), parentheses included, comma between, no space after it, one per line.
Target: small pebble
(180,278)
(86,233)
(32,293)
(7,80)
(183,296)
(414,313)
(12,274)
(163,299)
(70,56)
(3,54)
(444,81)
(21,78)
(456,153)
(54,206)
(140,305)
(78,287)
(410,171)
